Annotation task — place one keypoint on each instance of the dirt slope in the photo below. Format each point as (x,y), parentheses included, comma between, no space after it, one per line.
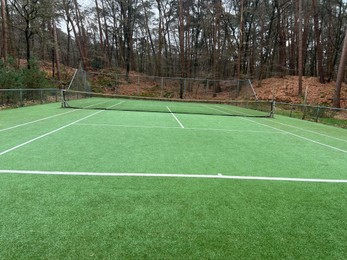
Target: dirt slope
(286,90)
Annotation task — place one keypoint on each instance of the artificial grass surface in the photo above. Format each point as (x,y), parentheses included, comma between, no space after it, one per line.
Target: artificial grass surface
(80,217)
(106,218)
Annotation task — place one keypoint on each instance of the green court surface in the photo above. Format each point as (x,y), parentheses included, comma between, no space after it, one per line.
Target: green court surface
(101,184)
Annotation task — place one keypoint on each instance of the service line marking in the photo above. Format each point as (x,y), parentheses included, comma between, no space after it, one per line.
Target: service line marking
(186,128)
(169,175)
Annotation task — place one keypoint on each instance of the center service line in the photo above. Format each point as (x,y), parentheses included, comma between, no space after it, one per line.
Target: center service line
(175,117)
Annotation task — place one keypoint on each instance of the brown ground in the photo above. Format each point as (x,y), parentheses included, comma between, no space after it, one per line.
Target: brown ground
(281,89)
(286,90)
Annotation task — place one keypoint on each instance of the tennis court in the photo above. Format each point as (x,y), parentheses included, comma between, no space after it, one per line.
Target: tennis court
(166,183)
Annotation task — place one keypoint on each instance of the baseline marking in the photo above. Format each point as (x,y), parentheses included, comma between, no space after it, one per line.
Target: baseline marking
(175,117)
(168,175)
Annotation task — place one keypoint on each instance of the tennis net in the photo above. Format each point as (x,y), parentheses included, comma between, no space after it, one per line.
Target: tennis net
(90,100)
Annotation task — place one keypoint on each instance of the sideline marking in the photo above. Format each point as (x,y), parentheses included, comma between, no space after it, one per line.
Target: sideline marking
(46,134)
(311,131)
(42,119)
(36,121)
(168,175)
(54,131)
(175,117)
(299,136)
(295,135)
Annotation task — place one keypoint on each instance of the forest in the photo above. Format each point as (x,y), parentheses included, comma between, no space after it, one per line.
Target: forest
(214,39)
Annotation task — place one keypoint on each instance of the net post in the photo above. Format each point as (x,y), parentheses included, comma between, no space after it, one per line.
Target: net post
(63,99)
(273,107)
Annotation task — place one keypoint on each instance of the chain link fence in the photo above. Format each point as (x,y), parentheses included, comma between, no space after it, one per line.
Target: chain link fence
(23,97)
(164,87)
(321,114)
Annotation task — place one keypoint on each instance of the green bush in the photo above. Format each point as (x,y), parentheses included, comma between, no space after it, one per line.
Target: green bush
(12,77)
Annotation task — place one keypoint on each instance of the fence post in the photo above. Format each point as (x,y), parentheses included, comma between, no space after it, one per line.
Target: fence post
(317,115)
(291,111)
(21,103)
(161,87)
(41,96)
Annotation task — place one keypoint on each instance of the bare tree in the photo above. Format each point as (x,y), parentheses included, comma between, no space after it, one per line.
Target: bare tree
(341,73)
(28,11)
(181,43)
(319,50)
(300,47)
(4,30)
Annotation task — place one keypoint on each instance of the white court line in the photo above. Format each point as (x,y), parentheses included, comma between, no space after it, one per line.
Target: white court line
(35,121)
(175,117)
(186,128)
(42,119)
(46,134)
(289,133)
(228,111)
(299,136)
(311,131)
(169,175)
(54,131)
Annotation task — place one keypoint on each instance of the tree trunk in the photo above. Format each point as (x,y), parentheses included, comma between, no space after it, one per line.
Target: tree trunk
(300,48)
(341,73)
(56,48)
(181,44)
(101,38)
(319,50)
(239,60)
(4,30)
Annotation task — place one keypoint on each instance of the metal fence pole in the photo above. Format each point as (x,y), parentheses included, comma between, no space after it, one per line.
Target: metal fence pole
(21,101)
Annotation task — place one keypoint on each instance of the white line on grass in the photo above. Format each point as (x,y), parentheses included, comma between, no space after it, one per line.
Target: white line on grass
(186,128)
(289,133)
(298,136)
(311,131)
(36,121)
(47,134)
(42,119)
(175,117)
(54,131)
(168,175)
